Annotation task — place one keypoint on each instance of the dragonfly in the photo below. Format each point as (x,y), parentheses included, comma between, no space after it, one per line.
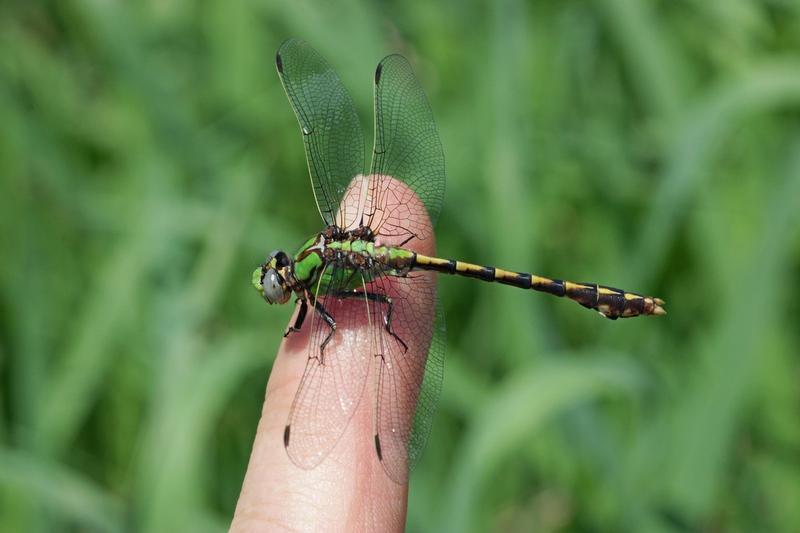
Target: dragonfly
(365,271)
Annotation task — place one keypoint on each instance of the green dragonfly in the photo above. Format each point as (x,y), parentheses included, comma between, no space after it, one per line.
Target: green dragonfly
(366,266)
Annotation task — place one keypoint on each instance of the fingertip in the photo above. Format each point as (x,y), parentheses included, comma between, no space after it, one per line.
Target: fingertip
(349,489)
(346,491)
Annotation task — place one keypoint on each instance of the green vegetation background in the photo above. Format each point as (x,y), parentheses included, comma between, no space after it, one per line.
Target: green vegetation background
(149,160)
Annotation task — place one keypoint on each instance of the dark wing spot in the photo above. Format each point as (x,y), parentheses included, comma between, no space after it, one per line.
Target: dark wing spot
(286,432)
(378,447)
(279,62)
(378,73)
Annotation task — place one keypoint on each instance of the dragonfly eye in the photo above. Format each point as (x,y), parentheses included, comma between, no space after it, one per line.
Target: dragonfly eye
(274,287)
(281,260)
(278,259)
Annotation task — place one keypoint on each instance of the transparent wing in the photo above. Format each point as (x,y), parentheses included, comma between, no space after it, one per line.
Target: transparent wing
(331,131)
(407,148)
(333,382)
(430,390)
(408,381)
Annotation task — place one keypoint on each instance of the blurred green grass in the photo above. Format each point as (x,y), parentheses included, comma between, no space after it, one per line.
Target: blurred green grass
(149,159)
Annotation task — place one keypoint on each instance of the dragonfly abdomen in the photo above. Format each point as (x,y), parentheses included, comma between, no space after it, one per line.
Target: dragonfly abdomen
(608,301)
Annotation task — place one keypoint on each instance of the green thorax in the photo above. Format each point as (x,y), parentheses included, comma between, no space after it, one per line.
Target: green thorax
(310,259)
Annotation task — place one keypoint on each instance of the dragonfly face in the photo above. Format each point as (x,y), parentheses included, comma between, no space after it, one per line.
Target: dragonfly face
(270,278)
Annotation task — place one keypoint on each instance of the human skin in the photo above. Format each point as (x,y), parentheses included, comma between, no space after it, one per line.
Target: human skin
(349,490)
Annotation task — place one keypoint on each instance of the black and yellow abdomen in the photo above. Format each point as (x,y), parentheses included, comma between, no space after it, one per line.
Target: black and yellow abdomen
(610,302)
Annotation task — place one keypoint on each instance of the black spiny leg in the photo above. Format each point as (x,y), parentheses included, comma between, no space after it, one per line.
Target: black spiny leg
(301,316)
(326,316)
(382,298)
(413,235)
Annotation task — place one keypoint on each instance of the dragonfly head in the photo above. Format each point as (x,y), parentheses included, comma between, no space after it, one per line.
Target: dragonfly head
(270,278)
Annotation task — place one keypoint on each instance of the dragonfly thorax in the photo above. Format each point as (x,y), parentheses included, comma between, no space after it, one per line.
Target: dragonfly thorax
(329,257)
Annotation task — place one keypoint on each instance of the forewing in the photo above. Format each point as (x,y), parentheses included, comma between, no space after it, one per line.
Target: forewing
(333,382)
(407,148)
(331,131)
(408,381)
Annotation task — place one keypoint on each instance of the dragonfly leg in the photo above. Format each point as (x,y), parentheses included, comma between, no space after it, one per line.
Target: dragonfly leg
(301,316)
(413,235)
(382,298)
(326,316)
(388,320)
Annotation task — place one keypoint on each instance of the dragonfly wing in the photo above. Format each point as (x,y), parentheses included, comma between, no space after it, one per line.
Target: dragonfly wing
(332,135)
(407,148)
(408,381)
(431,388)
(333,382)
